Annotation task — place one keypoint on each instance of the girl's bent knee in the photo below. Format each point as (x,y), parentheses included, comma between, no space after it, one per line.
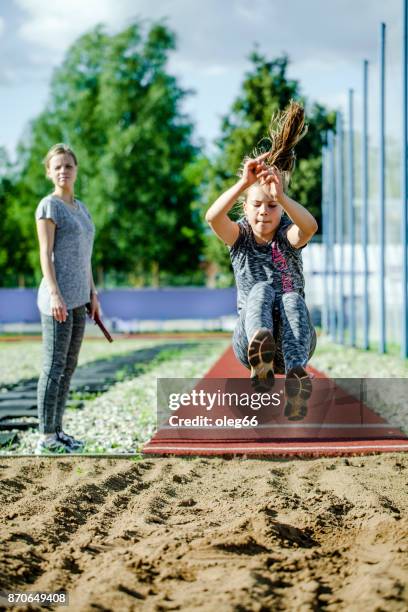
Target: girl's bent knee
(263,289)
(263,285)
(291,296)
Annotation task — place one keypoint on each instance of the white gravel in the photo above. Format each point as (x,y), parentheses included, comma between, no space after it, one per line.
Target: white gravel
(123,418)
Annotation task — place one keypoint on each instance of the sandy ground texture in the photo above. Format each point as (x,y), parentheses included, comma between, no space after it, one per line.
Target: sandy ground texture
(208,534)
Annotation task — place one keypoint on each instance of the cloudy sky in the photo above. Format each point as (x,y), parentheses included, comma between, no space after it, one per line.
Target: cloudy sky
(326,42)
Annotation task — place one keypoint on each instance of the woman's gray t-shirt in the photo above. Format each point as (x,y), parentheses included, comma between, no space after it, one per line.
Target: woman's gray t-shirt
(277,262)
(74,236)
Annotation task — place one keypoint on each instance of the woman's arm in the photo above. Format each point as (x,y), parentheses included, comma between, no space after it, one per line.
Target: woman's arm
(46,237)
(217,215)
(95,306)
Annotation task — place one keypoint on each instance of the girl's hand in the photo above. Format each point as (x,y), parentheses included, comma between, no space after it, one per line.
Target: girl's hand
(271,181)
(95,306)
(252,168)
(58,309)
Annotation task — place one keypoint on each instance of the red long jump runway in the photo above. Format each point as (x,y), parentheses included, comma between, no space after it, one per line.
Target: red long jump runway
(337,422)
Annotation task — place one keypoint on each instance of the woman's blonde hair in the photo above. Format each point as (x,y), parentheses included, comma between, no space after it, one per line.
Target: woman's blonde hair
(59,149)
(286,128)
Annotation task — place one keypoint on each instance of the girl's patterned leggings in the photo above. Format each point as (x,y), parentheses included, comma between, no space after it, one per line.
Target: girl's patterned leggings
(286,316)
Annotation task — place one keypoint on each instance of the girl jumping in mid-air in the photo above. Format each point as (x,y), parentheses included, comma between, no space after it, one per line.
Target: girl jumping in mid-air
(274,330)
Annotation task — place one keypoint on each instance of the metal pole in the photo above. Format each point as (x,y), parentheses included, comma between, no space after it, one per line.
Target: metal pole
(364,220)
(381,218)
(331,236)
(325,310)
(340,223)
(352,311)
(404,190)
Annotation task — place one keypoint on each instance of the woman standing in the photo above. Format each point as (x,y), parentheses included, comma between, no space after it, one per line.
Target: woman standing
(65,233)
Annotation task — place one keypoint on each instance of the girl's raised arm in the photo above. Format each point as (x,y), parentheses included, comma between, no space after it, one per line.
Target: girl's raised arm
(304,224)
(217,215)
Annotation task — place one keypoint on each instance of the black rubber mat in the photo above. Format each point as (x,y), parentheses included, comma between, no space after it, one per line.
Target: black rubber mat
(19,400)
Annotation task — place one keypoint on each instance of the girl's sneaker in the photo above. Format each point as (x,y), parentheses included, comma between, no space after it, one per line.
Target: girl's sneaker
(51,445)
(298,389)
(261,351)
(70,442)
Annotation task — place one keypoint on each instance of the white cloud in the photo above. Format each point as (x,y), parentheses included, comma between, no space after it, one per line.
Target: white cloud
(223,33)
(7,76)
(55,25)
(215,70)
(326,43)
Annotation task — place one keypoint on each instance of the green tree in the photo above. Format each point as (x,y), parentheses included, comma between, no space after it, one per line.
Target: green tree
(143,192)
(265,90)
(114,102)
(13,246)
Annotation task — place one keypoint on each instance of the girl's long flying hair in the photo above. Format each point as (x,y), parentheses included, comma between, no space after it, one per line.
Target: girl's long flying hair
(286,129)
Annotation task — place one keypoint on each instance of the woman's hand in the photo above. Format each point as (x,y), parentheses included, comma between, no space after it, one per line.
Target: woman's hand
(252,168)
(95,306)
(58,309)
(271,181)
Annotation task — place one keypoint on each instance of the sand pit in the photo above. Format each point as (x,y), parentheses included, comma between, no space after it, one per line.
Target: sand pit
(208,534)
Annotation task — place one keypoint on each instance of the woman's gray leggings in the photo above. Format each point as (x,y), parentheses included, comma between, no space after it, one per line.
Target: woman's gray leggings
(61,344)
(286,316)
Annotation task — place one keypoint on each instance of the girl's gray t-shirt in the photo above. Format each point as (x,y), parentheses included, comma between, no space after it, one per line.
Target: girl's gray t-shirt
(74,236)
(277,262)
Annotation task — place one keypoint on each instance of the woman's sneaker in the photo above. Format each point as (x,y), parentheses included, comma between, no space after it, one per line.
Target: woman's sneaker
(70,442)
(51,445)
(298,389)
(261,351)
